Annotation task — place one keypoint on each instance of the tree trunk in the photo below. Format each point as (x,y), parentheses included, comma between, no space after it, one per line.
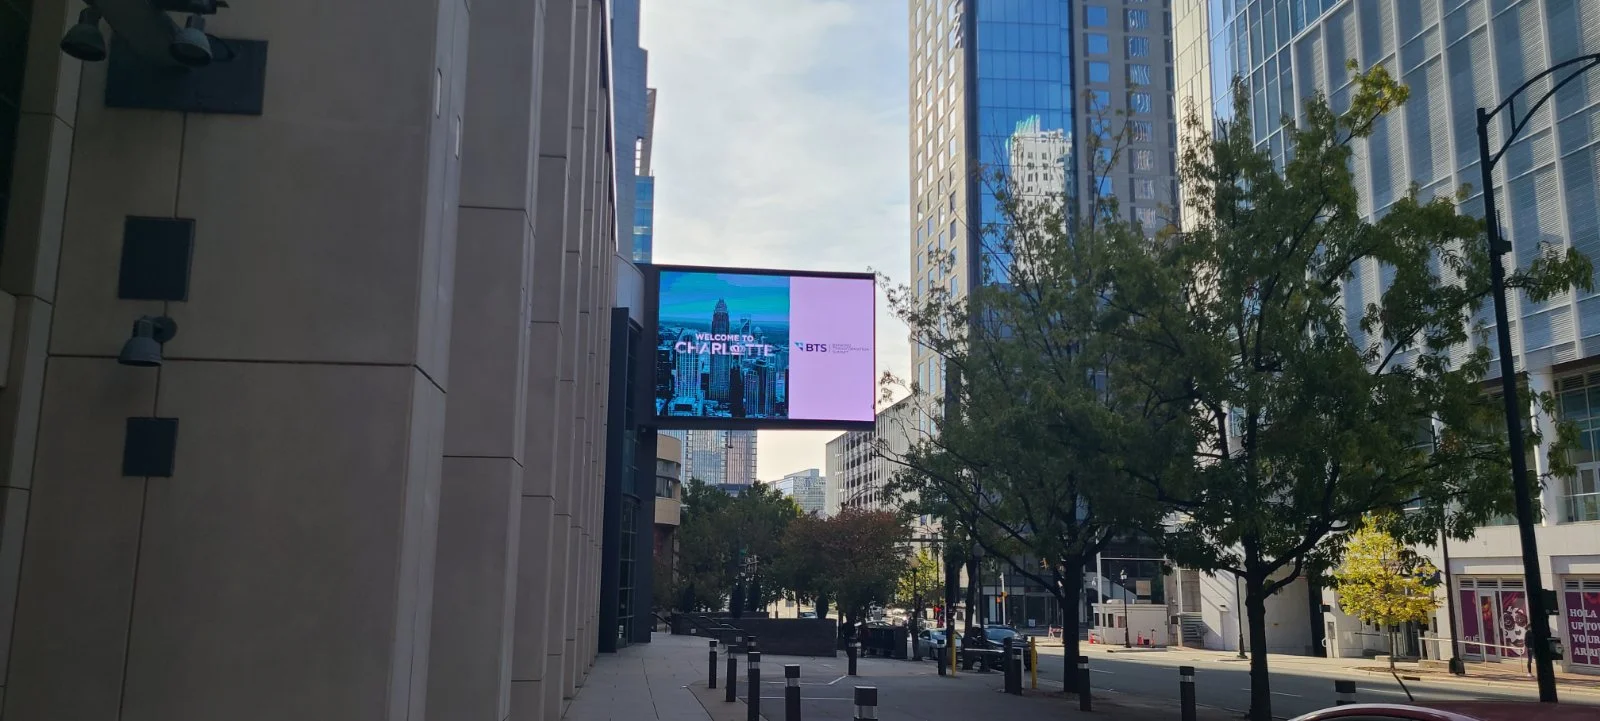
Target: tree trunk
(1069,596)
(736,601)
(1255,603)
(972,590)
(952,585)
(822,605)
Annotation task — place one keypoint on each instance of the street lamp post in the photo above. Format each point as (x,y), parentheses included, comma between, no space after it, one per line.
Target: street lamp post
(1538,618)
(1127,620)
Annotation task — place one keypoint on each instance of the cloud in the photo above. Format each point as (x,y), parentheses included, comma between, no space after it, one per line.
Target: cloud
(781,141)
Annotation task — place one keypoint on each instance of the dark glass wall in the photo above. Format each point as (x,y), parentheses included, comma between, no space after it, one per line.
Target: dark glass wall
(644,211)
(1020,111)
(14,17)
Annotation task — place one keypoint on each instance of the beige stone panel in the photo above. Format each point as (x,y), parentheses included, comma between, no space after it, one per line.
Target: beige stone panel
(50,80)
(38,206)
(549,279)
(502,88)
(124,162)
(81,548)
(24,391)
(350,251)
(556,81)
(489,335)
(527,701)
(337,67)
(446,132)
(561,578)
(276,558)
(543,390)
(480,516)
(561,479)
(534,561)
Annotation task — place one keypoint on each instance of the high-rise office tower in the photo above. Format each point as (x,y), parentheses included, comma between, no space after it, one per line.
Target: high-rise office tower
(1456,56)
(1015,89)
(644,181)
(718,457)
(721,363)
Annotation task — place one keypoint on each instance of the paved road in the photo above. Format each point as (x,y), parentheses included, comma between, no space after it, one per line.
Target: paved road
(1297,686)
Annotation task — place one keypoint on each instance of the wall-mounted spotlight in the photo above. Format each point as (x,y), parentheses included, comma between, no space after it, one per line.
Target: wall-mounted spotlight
(191,48)
(149,334)
(85,41)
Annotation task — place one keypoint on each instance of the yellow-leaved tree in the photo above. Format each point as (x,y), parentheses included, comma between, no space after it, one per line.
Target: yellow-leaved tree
(1385,584)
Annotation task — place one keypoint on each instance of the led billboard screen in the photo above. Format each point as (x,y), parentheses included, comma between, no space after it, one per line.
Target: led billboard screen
(740,348)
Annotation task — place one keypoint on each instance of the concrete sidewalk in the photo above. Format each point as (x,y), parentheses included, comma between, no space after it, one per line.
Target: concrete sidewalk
(645,681)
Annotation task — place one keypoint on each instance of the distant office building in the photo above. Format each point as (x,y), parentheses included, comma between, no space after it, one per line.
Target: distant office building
(858,472)
(1455,56)
(1019,90)
(718,457)
(806,488)
(644,196)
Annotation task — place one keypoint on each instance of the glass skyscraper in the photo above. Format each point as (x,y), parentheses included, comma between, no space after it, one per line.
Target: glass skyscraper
(718,458)
(1008,91)
(644,186)
(1456,56)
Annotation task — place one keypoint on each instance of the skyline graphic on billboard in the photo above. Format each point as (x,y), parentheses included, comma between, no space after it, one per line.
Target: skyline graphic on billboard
(764,349)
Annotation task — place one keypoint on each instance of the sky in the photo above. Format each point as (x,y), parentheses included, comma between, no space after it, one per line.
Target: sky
(782,141)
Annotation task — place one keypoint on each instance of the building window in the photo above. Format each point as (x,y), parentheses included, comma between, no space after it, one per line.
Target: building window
(1097,44)
(1095,16)
(1138,74)
(1142,130)
(1103,187)
(1099,130)
(1579,404)
(1138,19)
(1138,102)
(1138,47)
(1144,189)
(1144,161)
(1099,72)
(1146,218)
(1099,100)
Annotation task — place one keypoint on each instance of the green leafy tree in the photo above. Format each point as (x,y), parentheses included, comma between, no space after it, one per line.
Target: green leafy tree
(920,582)
(717,539)
(1386,584)
(1304,419)
(1025,451)
(853,559)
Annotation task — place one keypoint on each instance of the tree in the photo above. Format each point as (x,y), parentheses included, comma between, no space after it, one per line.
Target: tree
(853,558)
(719,537)
(919,582)
(1312,402)
(1386,584)
(1025,451)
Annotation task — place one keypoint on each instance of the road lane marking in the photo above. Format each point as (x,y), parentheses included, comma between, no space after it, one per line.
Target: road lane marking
(1277,693)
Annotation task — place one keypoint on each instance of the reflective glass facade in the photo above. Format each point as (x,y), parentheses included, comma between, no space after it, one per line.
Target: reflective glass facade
(644,211)
(1023,108)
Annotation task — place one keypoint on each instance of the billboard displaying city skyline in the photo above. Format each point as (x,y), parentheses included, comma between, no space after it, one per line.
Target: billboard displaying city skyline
(743,348)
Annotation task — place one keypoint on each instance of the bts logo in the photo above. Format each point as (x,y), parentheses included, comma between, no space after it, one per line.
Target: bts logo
(811,347)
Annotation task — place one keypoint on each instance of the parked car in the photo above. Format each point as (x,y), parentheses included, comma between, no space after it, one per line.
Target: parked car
(1454,711)
(997,636)
(931,643)
(808,614)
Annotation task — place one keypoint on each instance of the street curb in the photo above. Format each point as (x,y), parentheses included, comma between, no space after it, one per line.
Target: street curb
(1472,681)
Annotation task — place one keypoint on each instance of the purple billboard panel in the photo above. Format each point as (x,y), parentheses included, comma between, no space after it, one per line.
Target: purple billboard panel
(1583,627)
(749,349)
(832,366)
(1471,630)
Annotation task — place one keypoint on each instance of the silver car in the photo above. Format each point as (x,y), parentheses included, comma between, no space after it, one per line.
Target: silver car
(931,642)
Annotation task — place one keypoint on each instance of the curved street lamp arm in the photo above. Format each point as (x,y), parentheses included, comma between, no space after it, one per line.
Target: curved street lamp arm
(1510,103)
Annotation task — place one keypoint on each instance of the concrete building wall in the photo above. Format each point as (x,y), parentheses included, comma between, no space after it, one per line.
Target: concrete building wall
(388,376)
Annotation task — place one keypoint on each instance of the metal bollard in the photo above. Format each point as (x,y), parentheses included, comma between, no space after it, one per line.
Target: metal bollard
(732,693)
(1015,662)
(866,703)
(1013,683)
(940,659)
(791,692)
(1033,659)
(853,650)
(1186,692)
(752,685)
(1346,691)
(1085,700)
(713,682)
